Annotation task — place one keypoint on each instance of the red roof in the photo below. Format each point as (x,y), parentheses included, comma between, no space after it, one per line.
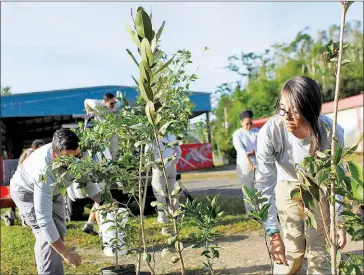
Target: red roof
(258,123)
(327,108)
(345,103)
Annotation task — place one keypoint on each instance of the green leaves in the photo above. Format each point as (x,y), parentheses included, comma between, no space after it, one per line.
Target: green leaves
(146,51)
(358,235)
(340,173)
(321,155)
(259,204)
(157,54)
(338,154)
(345,61)
(159,33)
(355,171)
(311,219)
(164,128)
(308,200)
(143,25)
(206,217)
(145,72)
(150,111)
(353,149)
(147,257)
(331,53)
(161,85)
(145,90)
(176,190)
(355,189)
(133,36)
(132,57)
(296,194)
(165,65)
(56,165)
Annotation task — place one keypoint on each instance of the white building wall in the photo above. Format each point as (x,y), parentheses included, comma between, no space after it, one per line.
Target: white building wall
(352,122)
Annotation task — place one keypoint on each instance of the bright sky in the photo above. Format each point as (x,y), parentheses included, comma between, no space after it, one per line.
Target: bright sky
(54,45)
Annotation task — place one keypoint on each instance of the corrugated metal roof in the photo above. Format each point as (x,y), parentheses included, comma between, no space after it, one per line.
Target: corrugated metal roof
(70,101)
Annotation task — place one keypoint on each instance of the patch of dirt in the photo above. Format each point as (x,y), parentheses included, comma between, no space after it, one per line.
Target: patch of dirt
(240,254)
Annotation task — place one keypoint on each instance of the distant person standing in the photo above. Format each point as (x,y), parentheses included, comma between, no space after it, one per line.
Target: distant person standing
(35,145)
(99,109)
(108,105)
(245,144)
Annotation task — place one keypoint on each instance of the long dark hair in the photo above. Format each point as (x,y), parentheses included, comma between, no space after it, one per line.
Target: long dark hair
(303,93)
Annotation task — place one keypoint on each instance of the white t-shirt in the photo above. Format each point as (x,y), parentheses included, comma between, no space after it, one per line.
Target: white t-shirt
(279,151)
(96,103)
(245,141)
(166,152)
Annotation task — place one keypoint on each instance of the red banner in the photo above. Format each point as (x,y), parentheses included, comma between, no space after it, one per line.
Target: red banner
(195,156)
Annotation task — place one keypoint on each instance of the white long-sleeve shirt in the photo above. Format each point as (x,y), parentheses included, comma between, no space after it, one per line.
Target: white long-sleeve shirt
(27,177)
(277,153)
(166,152)
(245,141)
(95,103)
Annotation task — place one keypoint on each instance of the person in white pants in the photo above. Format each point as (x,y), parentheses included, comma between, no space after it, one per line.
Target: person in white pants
(105,106)
(245,144)
(158,181)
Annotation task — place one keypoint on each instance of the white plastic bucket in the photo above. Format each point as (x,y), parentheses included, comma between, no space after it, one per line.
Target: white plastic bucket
(108,235)
(74,191)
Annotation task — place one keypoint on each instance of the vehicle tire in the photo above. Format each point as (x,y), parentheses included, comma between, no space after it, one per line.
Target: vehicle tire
(74,210)
(149,210)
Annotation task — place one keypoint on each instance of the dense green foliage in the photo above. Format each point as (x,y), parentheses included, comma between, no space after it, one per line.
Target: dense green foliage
(263,75)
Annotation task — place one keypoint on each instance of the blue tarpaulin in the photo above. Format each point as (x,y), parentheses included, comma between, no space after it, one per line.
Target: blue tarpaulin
(71,101)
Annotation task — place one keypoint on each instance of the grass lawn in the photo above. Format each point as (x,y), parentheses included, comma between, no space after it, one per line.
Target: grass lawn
(17,253)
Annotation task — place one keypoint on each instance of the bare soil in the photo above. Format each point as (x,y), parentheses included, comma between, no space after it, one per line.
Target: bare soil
(239,254)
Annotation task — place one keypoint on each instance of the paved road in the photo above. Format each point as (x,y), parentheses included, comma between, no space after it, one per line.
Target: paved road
(225,183)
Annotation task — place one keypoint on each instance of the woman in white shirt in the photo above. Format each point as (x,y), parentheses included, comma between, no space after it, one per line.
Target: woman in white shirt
(245,144)
(296,132)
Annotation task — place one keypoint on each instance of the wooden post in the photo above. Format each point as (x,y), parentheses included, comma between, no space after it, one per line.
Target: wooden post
(208,127)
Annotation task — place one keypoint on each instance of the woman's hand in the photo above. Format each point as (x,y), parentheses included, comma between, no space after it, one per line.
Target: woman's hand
(250,165)
(341,237)
(277,249)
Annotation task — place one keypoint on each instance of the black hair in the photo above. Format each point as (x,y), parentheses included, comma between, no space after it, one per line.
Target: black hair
(108,96)
(37,143)
(246,114)
(64,139)
(303,93)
